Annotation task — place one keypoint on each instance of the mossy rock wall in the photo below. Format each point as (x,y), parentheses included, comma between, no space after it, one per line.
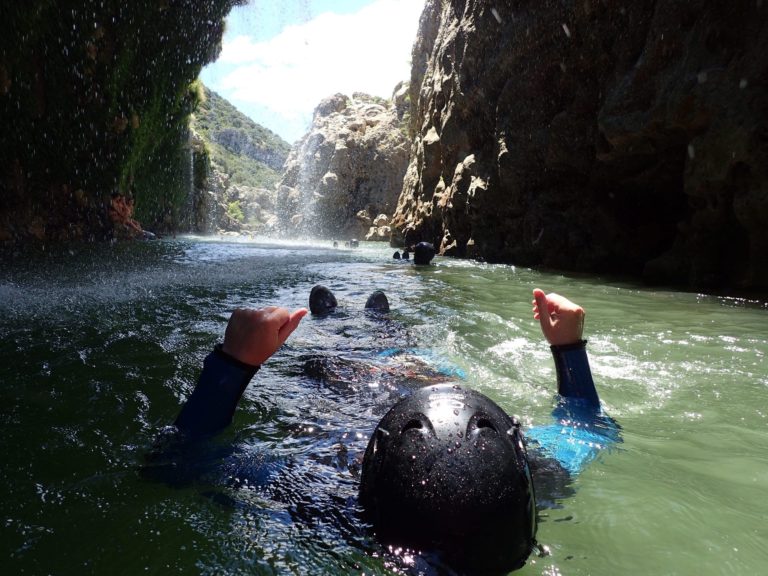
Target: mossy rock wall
(95,97)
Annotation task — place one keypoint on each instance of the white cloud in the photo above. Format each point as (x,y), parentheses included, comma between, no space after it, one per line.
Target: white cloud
(288,75)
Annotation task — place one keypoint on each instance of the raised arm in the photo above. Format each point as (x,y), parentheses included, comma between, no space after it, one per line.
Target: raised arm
(562,323)
(580,429)
(252,336)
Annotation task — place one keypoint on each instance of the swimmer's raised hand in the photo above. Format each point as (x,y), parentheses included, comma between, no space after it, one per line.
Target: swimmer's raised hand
(252,336)
(562,321)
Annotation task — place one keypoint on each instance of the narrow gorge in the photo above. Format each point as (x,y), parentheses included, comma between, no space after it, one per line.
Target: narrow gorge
(591,137)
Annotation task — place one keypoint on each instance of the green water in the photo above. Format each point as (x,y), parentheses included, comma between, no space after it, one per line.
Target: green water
(100,345)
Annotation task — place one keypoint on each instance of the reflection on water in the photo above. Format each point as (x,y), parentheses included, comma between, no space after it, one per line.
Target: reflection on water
(102,343)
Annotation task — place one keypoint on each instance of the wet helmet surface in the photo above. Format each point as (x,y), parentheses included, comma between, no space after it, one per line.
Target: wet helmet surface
(321,300)
(423,253)
(377,301)
(446,469)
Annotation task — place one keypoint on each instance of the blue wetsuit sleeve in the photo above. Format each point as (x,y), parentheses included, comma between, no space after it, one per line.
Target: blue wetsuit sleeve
(580,429)
(574,378)
(212,403)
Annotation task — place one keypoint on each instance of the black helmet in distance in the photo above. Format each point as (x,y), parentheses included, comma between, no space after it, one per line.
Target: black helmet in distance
(377,302)
(423,253)
(321,300)
(446,469)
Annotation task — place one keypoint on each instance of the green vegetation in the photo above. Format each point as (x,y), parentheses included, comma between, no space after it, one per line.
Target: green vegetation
(235,212)
(249,153)
(243,170)
(371,99)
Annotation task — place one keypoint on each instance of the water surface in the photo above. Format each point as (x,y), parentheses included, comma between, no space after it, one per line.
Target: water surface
(101,344)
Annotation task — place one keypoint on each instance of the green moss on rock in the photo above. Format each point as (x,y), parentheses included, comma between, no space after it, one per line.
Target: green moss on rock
(95,98)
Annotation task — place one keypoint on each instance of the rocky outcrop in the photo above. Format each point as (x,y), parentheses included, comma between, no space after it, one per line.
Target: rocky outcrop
(226,206)
(593,136)
(238,142)
(251,153)
(348,168)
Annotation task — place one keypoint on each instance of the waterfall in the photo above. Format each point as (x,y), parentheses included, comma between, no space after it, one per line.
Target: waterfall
(200,199)
(306,185)
(189,205)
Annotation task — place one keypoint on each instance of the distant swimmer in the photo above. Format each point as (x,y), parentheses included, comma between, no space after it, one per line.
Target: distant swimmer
(396,255)
(321,301)
(423,253)
(377,302)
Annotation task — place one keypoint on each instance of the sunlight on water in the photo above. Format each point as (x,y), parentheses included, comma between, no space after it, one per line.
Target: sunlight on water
(102,343)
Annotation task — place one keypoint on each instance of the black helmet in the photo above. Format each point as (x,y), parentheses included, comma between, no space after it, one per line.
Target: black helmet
(321,300)
(377,302)
(423,253)
(446,469)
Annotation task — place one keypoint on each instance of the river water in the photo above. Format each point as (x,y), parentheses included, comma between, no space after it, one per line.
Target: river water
(100,344)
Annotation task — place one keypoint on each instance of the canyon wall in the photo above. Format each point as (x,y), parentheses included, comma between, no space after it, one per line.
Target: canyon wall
(600,136)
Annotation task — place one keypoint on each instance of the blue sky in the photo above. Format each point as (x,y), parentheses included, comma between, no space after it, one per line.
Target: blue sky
(280,59)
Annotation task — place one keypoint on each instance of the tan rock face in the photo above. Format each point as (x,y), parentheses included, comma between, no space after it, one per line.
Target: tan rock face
(348,169)
(593,136)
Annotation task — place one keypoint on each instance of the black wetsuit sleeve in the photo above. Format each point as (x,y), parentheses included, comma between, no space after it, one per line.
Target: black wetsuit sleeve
(212,403)
(574,377)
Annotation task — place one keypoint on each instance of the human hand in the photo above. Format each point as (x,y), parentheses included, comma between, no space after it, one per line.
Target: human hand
(252,336)
(562,321)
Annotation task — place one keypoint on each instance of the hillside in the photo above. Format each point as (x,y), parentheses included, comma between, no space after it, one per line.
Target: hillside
(249,153)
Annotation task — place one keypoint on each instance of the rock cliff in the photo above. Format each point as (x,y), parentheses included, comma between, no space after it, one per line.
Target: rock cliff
(348,169)
(622,137)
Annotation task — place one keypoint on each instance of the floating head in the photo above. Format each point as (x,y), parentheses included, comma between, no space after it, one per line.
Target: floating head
(423,253)
(321,300)
(377,302)
(446,469)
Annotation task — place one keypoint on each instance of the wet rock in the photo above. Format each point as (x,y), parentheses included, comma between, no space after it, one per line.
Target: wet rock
(93,99)
(586,136)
